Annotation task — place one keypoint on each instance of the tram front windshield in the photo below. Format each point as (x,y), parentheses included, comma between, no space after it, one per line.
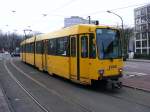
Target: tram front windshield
(108,43)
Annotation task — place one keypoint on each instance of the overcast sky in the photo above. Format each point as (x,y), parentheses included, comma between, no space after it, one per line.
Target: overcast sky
(29,13)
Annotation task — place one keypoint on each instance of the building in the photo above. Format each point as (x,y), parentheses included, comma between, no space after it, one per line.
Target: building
(142,29)
(73,20)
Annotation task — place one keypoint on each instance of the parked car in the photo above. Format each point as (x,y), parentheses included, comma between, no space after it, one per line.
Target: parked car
(14,54)
(6,53)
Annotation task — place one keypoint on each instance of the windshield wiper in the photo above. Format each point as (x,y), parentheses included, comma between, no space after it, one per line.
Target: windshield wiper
(103,50)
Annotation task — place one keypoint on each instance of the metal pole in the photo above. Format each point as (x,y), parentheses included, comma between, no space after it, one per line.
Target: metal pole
(26,33)
(89,19)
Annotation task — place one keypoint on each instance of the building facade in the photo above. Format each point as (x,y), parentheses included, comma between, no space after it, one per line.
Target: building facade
(73,20)
(142,29)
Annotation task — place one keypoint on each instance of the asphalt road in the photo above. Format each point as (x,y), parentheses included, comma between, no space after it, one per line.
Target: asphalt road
(139,68)
(55,94)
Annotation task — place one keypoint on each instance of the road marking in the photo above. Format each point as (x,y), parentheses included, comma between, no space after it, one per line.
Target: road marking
(24,89)
(130,66)
(132,74)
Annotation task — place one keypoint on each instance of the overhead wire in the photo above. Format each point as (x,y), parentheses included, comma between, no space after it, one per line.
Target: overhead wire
(119,8)
(61,7)
(92,13)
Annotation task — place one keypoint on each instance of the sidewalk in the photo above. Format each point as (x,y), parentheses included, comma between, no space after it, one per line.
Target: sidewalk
(3,104)
(138,82)
(139,60)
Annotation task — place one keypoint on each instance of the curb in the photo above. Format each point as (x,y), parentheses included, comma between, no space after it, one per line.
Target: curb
(146,61)
(132,87)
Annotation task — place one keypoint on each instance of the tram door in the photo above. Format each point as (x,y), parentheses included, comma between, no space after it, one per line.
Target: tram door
(74,58)
(84,58)
(44,55)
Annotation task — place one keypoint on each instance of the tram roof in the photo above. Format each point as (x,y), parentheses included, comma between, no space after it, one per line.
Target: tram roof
(76,29)
(29,40)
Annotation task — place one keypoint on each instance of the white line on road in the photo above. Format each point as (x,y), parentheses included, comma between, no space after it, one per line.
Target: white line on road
(133,74)
(131,66)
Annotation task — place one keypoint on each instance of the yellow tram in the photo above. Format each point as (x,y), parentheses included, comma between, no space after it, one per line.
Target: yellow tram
(81,53)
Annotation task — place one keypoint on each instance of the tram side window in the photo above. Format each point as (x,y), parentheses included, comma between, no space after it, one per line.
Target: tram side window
(68,46)
(23,48)
(52,47)
(27,48)
(39,47)
(63,46)
(84,47)
(32,47)
(73,46)
(92,48)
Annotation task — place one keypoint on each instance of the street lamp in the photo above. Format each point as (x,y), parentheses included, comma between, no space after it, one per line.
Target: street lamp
(123,38)
(118,16)
(44,15)
(13,11)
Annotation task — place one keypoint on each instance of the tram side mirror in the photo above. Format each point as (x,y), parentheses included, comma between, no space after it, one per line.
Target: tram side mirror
(96,22)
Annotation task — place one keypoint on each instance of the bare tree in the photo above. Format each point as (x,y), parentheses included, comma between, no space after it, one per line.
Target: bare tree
(9,41)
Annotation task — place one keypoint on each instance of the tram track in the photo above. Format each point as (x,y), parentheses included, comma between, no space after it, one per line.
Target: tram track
(66,99)
(25,90)
(84,108)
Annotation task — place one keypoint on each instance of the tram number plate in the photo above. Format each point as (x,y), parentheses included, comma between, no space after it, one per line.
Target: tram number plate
(112,67)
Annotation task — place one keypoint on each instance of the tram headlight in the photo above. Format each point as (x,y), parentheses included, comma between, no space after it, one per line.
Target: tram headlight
(101,72)
(120,70)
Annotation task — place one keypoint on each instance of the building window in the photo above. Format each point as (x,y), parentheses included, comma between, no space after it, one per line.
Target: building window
(138,51)
(149,27)
(149,38)
(137,13)
(137,36)
(138,43)
(144,43)
(144,51)
(143,27)
(137,28)
(143,19)
(143,11)
(144,35)
(148,17)
(137,21)
(148,9)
